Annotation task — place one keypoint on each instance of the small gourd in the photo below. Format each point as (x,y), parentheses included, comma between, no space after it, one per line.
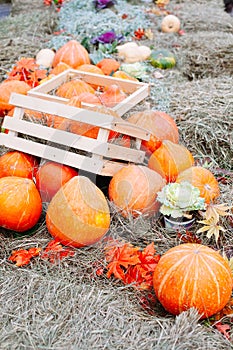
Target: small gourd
(162,59)
(45,58)
(131,52)
(170,24)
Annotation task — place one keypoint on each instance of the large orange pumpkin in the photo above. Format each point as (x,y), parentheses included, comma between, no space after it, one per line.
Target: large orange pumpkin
(78,214)
(170,159)
(6,88)
(19,164)
(73,88)
(20,203)
(192,275)
(50,177)
(72,53)
(203,179)
(161,126)
(134,189)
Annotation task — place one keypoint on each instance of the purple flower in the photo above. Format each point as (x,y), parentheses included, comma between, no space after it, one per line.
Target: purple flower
(102,4)
(107,38)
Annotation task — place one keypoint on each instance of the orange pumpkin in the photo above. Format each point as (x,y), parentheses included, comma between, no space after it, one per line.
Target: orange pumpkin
(108,65)
(50,177)
(192,275)
(123,75)
(170,159)
(204,180)
(73,88)
(112,96)
(6,89)
(20,203)
(60,67)
(78,214)
(72,53)
(19,164)
(134,189)
(161,126)
(85,97)
(91,68)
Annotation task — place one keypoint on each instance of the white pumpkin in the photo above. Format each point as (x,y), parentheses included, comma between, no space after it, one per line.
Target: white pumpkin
(45,58)
(131,52)
(170,24)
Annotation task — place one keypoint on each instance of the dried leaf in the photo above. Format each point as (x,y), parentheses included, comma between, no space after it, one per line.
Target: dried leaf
(216,210)
(189,237)
(227,311)
(223,328)
(119,257)
(23,256)
(55,252)
(212,228)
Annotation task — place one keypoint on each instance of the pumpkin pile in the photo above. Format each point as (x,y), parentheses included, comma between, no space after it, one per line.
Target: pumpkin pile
(78,213)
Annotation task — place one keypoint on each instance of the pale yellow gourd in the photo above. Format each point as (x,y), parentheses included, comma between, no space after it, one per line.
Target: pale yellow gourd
(131,52)
(45,57)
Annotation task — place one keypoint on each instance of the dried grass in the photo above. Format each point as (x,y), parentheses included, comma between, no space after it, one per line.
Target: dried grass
(66,306)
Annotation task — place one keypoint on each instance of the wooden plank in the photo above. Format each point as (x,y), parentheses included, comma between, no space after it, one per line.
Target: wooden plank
(51,153)
(52,83)
(110,168)
(18,114)
(132,100)
(86,116)
(99,147)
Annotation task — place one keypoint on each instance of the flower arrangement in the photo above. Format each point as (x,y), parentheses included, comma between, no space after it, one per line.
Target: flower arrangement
(179,199)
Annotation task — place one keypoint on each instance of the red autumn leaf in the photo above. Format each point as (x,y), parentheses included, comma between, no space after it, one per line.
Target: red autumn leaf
(36,76)
(142,273)
(189,237)
(22,256)
(121,257)
(139,33)
(55,252)
(223,328)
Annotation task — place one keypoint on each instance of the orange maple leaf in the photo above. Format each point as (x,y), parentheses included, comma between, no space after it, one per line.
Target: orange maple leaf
(23,256)
(119,258)
(55,252)
(36,76)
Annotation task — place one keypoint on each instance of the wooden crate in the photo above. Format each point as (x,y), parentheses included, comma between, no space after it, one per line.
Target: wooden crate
(94,155)
(135,91)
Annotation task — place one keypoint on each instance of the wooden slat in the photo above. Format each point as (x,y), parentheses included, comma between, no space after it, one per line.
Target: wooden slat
(99,146)
(86,116)
(52,83)
(51,153)
(110,168)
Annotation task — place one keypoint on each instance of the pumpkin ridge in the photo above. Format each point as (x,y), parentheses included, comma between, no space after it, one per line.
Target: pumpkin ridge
(169,271)
(214,280)
(182,291)
(195,289)
(216,261)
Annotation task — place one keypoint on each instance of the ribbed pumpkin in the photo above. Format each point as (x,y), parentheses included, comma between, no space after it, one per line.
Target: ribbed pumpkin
(50,177)
(91,68)
(60,67)
(170,159)
(112,96)
(19,164)
(73,88)
(192,275)
(108,65)
(85,97)
(160,124)
(20,203)
(6,89)
(78,214)
(134,189)
(204,180)
(72,53)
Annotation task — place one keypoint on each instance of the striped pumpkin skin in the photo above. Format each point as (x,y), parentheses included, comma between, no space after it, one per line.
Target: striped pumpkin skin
(193,275)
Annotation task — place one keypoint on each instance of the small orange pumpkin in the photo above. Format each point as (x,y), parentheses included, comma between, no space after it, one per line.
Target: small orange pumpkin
(73,88)
(78,214)
(204,180)
(20,203)
(6,89)
(19,164)
(170,159)
(112,96)
(192,275)
(72,53)
(134,189)
(123,75)
(108,65)
(60,67)
(161,126)
(50,177)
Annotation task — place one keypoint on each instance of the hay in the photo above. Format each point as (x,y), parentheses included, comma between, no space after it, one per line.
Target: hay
(66,305)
